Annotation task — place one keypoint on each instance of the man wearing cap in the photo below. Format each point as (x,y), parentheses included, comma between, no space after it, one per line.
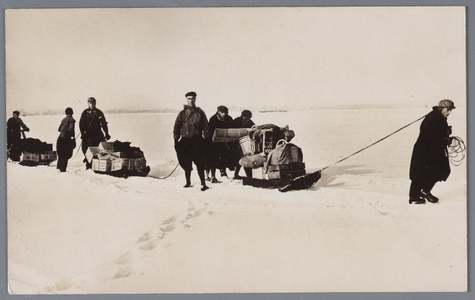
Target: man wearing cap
(219,154)
(14,127)
(244,121)
(430,161)
(92,124)
(191,125)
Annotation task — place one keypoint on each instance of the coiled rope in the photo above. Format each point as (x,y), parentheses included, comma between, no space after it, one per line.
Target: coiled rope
(455,149)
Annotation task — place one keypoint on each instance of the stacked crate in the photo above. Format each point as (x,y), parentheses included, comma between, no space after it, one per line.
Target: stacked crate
(43,157)
(105,158)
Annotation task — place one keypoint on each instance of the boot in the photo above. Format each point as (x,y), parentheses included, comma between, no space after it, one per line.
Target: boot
(223,173)
(429,197)
(417,200)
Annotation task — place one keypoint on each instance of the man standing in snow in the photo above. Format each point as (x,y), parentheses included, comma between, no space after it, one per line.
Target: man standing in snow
(66,141)
(430,161)
(191,126)
(91,124)
(220,153)
(14,127)
(244,121)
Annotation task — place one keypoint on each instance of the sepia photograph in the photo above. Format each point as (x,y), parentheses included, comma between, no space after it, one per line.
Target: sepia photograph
(236,150)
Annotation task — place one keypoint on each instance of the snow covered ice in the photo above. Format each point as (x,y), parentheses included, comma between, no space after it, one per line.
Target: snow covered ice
(82,232)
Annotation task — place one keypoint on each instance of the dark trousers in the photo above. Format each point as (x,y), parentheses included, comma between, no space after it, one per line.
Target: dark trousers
(191,150)
(62,164)
(64,148)
(418,185)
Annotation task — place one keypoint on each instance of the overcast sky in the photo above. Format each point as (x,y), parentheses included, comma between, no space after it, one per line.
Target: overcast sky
(247,57)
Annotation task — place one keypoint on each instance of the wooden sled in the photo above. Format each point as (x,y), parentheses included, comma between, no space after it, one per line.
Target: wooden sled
(287,183)
(127,173)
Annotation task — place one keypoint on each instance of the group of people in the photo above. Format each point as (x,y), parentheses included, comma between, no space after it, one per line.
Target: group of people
(92,125)
(193,134)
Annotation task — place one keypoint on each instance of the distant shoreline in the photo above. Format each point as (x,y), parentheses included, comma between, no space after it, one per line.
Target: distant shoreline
(278,110)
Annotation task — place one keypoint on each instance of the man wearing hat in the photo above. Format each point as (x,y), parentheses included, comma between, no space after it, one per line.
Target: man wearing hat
(191,125)
(430,161)
(219,154)
(92,124)
(244,121)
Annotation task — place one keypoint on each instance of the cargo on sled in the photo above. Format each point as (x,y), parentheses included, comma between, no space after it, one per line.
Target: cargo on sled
(32,152)
(276,162)
(117,159)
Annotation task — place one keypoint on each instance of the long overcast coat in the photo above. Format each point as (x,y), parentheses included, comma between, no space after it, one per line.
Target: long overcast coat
(430,161)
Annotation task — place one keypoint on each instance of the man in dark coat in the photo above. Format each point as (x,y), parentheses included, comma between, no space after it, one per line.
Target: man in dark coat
(66,141)
(244,121)
(430,161)
(219,154)
(92,123)
(191,125)
(14,127)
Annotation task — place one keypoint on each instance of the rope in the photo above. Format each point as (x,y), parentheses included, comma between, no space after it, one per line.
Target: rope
(374,143)
(79,146)
(170,173)
(454,149)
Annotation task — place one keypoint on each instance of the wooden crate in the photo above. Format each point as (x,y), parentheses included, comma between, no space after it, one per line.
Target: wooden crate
(101,165)
(140,163)
(91,153)
(258,173)
(48,156)
(106,147)
(120,164)
(30,157)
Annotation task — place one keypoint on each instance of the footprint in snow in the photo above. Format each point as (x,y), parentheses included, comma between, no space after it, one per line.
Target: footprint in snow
(61,285)
(145,237)
(149,246)
(124,272)
(169,220)
(168,228)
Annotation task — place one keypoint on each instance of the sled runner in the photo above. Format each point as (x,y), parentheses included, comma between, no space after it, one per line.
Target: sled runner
(288,183)
(302,182)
